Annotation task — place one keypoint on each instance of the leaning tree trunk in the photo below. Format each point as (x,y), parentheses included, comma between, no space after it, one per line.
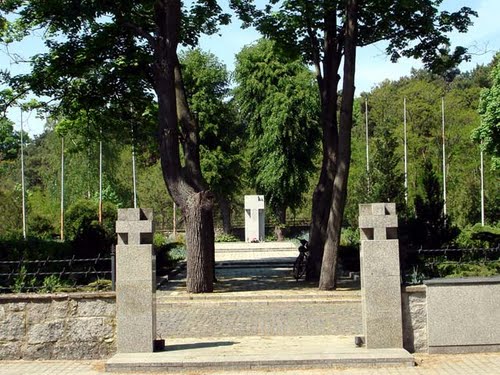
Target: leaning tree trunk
(185,184)
(322,197)
(330,253)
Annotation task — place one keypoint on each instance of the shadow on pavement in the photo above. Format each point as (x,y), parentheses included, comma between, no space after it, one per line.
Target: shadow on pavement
(200,345)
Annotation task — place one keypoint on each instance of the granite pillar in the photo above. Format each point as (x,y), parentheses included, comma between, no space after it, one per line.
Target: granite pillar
(135,281)
(380,276)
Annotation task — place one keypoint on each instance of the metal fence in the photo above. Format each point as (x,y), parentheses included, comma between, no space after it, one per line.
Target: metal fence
(36,275)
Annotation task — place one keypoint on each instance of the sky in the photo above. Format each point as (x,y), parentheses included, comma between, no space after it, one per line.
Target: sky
(373,66)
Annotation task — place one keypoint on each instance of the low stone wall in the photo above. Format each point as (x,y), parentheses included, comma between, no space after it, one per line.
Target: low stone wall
(464,314)
(452,315)
(414,310)
(57,326)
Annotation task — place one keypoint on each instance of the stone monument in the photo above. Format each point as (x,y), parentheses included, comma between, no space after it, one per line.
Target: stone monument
(380,276)
(135,281)
(254,218)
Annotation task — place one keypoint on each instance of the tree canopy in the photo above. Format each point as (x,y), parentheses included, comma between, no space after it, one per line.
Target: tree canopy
(326,34)
(488,133)
(279,104)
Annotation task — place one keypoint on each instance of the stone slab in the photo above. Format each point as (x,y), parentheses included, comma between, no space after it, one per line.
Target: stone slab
(245,353)
(463,314)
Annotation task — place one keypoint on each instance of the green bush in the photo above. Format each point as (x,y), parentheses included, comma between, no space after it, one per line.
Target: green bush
(482,269)
(224,237)
(22,283)
(478,236)
(52,284)
(168,255)
(88,237)
(41,227)
(16,248)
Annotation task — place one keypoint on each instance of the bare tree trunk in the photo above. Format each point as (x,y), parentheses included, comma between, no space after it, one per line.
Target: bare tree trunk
(200,242)
(186,185)
(322,197)
(279,228)
(330,253)
(225,211)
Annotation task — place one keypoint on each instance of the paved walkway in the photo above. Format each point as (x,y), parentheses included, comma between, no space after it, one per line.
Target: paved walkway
(464,364)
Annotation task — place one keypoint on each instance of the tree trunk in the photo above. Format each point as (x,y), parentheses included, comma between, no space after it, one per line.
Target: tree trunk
(322,197)
(225,211)
(330,253)
(184,184)
(279,228)
(200,242)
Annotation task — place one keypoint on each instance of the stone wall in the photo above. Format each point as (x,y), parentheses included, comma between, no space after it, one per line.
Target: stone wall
(57,326)
(415,319)
(464,314)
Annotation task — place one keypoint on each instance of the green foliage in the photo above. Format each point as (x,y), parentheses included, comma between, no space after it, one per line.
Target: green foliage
(41,227)
(51,284)
(224,237)
(412,29)
(278,99)
(481,269)
(207,82)
(479,237)
(168,253)
(100,285)
(88,237)
(22,282)
(488,133)
(10,206)
(10,140)
(15,248)
(430,228)
(350,237)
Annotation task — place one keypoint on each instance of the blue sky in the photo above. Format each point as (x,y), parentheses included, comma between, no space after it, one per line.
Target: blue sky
(373,66)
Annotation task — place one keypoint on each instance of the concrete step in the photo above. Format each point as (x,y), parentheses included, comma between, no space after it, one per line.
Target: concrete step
(263,353)
(313,296)
(254,247)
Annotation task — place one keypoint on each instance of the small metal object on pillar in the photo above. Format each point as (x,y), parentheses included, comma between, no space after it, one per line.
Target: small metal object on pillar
(380,276)
(135,281)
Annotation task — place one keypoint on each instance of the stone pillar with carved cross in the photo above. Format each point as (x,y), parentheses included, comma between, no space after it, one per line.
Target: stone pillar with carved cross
(135,281)
(255,220)
(380,276)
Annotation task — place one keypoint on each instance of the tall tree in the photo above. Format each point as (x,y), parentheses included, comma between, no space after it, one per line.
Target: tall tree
(207,86)
(488,133)
(279,104)
(113,56)
(327,32)
(10,140)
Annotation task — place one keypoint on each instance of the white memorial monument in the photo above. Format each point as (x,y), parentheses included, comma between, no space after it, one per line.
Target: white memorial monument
(254,218)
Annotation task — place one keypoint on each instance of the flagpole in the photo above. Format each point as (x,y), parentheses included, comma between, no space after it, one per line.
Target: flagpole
(444,156)
(23,187)
(482,188)
(405,151)
(133,168)
(62,188)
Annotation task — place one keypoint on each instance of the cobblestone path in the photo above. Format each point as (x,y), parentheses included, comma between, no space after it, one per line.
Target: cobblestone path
(253,318)
(264,301)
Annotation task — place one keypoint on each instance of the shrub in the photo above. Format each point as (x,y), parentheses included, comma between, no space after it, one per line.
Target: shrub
(225,237)
(16,248)
(41,227)
(90,238)
(478,236)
